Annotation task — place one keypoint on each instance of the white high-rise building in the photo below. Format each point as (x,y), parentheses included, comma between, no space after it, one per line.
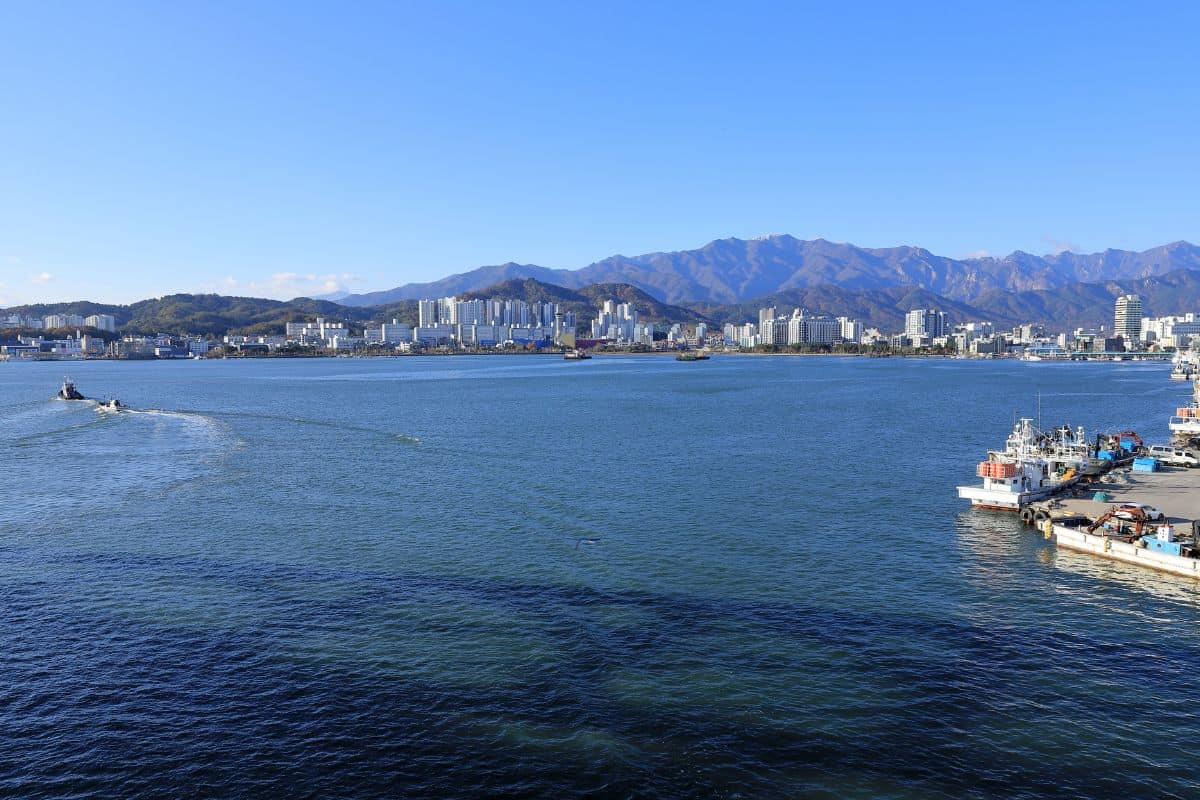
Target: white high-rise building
(615,322)
(471,312)
(104,322)
(1128,320)
(851,330)
(924,323)
(427,313)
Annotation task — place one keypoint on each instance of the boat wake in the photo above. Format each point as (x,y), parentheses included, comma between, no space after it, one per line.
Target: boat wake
(320,423)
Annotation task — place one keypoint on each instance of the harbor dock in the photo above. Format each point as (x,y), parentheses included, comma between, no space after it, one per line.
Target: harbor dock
(1171,545)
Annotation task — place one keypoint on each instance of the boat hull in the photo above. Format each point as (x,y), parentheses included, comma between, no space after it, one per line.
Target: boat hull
(998,500)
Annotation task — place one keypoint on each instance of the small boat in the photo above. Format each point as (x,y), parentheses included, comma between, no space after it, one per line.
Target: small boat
(69,392)
(111,405)
(691,355)
(575,355)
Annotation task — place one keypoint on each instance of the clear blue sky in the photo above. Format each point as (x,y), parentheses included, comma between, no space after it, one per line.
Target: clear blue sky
(278,149)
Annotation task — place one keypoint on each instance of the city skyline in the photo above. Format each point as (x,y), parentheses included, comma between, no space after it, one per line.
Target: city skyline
(300,150)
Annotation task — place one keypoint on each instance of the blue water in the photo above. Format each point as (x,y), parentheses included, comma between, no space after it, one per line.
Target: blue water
(748,577)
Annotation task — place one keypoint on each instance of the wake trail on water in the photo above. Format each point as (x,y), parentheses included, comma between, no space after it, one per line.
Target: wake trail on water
(320,423)
(40,436)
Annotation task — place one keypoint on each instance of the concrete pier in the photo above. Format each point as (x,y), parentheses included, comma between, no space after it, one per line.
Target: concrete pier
(1175,492)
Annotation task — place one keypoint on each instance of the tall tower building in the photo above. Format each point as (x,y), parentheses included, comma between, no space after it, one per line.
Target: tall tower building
(921,322)
(1128,321)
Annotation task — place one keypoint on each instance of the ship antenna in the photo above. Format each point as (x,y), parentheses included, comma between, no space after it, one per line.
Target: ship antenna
(1039,410)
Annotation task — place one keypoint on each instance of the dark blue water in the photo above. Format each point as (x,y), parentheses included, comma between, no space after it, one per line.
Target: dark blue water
(748,577)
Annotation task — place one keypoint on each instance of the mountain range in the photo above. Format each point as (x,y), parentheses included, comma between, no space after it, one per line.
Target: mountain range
(730,279)
(730,271)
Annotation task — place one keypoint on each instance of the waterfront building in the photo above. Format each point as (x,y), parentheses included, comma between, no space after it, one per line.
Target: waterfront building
(615,322)
(470,312)
(1171,331)
(1127,320)
(427,313)
(1028,333)
(850,330)
(924,323)
(989,345)
(343,342)
(103,322)
(133,347)
(53,321)
(805,328)
(774,331)
(321,332)
(434,335)
(392,333)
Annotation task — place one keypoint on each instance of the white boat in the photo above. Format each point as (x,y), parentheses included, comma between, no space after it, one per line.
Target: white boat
(1185,365)
(1028,469)
(1186,422)
(1069,449)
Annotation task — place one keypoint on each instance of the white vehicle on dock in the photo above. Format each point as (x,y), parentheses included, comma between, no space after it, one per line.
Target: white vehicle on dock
(1175,456)
(1019,474)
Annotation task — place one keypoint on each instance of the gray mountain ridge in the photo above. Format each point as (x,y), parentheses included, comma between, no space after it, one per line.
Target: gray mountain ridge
(734,270)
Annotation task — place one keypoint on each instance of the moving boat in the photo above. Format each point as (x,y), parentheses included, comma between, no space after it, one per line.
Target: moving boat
(575,355)
(691,355)
(69,392)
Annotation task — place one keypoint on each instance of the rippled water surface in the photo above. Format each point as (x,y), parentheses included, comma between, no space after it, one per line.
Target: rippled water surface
(747,577)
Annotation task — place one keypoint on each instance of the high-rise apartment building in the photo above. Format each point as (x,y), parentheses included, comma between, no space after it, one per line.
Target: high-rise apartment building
(1128,320)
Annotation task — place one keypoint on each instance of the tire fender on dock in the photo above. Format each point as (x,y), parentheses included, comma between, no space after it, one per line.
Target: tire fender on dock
(1027,516)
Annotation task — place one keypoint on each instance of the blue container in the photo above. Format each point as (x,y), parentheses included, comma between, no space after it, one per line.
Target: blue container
(1145,465)
(1107,455)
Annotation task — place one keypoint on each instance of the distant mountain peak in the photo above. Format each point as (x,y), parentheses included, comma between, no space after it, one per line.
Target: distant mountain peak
(733,270)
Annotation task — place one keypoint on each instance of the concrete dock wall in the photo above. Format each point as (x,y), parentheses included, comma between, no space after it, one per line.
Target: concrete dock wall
(1106,547)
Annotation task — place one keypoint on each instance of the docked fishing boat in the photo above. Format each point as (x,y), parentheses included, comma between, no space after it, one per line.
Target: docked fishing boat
(1067,448)
(1183,370)
(1029,468)
(1186,422)
(68,391)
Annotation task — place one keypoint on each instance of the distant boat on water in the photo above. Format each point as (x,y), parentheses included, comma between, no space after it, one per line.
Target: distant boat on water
(68,391)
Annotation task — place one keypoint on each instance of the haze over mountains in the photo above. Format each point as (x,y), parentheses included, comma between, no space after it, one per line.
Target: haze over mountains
(729,271)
